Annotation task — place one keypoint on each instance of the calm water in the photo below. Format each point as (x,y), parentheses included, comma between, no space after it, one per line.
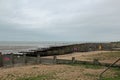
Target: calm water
(17,46)
(38,44)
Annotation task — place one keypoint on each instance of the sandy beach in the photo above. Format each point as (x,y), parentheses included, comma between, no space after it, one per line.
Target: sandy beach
(102,56)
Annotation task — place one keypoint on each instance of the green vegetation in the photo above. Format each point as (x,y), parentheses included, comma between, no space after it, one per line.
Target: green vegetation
(114,78)
(93,66)
(116,75)
(91,75)
(88,66)
(116,71)
(40,77)
(105,56)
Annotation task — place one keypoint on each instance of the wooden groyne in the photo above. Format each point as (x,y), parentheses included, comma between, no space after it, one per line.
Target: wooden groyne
(66,49)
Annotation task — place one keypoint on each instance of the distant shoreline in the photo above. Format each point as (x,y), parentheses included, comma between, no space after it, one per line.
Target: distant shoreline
(17,46)
(15,49)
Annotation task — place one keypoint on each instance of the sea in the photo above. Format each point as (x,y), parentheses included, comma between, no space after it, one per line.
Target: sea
(7,47)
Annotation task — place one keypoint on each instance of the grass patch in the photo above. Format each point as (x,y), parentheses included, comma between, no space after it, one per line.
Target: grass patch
(114,78)
(91,75)
(105,56)
(90,66)
(40,77)
(35,67)
(116,75)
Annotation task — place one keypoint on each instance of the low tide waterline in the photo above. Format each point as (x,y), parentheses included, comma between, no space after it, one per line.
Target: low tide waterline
(15,47)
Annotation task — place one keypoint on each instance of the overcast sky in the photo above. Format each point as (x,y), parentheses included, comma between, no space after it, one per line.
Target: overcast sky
(59,20)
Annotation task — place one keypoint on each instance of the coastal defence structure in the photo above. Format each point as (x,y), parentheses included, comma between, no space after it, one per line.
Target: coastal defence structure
(67,49)
(37,56)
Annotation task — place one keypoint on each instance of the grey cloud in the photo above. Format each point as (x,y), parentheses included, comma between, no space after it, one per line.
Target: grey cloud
(77,20)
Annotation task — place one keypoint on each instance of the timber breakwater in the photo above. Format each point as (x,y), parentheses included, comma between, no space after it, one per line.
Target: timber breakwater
(67,49)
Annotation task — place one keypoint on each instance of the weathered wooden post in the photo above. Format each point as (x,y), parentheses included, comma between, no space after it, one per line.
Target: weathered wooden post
(38,59)
(54,59)
(73,59)
(1,60)
(12,59)
(25,58)
(96,62)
